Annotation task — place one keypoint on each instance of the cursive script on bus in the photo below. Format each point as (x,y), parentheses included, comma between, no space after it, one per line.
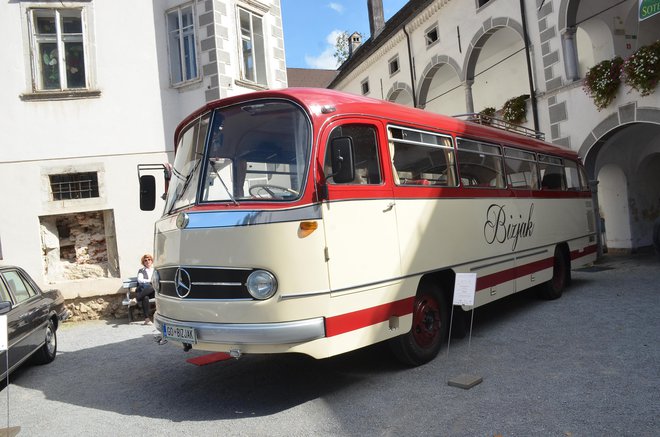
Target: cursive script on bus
(501,227)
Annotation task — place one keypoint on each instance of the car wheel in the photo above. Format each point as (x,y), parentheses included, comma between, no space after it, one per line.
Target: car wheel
(429,328)
(48,350)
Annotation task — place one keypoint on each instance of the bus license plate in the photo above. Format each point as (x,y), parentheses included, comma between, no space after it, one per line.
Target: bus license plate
(184,334)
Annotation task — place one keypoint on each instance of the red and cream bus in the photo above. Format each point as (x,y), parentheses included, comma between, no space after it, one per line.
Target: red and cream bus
(318,222)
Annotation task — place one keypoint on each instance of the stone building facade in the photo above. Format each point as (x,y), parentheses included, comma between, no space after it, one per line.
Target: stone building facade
(457,57)
(92,89)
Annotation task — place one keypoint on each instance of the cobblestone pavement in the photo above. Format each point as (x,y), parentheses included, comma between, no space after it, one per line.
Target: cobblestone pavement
(587,364)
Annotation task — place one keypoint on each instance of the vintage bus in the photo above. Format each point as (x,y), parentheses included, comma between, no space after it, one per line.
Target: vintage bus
(318,222)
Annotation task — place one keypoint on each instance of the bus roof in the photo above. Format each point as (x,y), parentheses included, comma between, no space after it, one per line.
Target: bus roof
(313,99)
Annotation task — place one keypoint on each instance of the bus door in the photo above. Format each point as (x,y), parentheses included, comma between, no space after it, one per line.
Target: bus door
(362,246)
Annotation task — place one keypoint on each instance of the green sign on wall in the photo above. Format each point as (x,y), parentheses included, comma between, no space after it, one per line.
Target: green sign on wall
(648,8)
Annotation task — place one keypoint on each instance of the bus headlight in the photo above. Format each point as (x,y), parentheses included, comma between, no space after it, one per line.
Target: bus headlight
(155,281)
(261,284)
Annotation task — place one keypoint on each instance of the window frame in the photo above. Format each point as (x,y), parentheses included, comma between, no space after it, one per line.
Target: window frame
(258,81)
(361,124)
(497,153)
(394,61)
(452,174)
(182,64)
(427,41)
(364,87)
(60,38)
(512,153)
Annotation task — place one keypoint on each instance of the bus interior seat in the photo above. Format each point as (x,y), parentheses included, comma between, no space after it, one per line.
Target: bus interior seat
(552,181)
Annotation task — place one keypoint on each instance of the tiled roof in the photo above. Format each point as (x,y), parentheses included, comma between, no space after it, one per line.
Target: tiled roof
(310,78)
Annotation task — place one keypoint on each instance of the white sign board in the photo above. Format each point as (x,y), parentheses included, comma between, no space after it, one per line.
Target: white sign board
(4,342)
(464,288)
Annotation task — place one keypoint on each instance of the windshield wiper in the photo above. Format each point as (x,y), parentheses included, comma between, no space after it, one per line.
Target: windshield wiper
(233,199)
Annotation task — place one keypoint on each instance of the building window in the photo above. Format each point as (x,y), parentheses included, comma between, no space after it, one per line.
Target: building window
(394,66)
(74,186)
(253,51)
(431,36)
(182,45)
(365,87)
(58,49)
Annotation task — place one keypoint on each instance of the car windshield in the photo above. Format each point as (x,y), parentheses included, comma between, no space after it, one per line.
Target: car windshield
(257,151)
(251,151)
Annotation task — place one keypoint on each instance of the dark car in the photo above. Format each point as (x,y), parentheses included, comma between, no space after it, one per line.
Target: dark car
(32,319)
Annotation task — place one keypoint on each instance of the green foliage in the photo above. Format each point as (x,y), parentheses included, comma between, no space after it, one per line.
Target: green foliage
(486,115)
(641,70)
(602,81)
(515,109)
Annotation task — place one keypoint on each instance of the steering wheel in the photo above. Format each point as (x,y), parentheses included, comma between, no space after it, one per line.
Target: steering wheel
(257,191)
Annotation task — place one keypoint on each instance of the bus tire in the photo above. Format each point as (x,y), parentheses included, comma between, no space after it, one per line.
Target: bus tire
(561,271)
(430,326)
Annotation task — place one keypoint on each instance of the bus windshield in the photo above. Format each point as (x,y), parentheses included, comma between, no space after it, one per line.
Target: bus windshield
(252,151)
(257,151)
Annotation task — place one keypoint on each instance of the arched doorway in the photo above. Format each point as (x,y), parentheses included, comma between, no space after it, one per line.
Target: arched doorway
(613,201)
(626,162)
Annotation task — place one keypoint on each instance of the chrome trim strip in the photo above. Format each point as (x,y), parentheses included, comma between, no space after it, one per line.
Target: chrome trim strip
(251,333)
(221,284)
(226,219)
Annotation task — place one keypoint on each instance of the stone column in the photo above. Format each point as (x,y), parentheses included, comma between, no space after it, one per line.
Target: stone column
(469,102)
(570,54)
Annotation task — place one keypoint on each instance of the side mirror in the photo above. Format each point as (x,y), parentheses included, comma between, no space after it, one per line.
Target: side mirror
(342,157)
(147,192)
(5,307)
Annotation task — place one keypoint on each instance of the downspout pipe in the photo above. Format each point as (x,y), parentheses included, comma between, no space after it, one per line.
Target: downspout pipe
(412,67)
(530,76)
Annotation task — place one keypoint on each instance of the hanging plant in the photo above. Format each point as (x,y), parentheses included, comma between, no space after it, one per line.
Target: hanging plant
(602,81)
(641,70)
(486,115)
(515,109)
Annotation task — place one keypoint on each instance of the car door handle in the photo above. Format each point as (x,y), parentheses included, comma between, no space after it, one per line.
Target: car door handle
(389,207)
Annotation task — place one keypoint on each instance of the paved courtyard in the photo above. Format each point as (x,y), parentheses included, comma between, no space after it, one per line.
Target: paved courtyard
(587,364)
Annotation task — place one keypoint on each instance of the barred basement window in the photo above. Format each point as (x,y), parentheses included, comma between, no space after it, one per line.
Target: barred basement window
(74,186)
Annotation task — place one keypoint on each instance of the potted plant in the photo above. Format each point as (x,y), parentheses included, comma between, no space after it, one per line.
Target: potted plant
(515,109)
(602,81)
(486,115)
(641,70)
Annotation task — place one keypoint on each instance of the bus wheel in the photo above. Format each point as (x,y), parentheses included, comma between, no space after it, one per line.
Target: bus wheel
(429,328)
(554,288)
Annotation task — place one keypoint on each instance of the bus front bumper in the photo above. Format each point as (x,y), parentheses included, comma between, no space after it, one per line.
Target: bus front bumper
(245,333)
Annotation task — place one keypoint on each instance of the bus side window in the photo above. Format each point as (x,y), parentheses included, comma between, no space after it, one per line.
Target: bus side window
(480,164)
(521,172)
(421,158)
(367,161)
(572,175)
(552,173)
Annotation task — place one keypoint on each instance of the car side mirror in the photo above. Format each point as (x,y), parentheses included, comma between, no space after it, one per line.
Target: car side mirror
(147,192)
(342,156)
(5,307)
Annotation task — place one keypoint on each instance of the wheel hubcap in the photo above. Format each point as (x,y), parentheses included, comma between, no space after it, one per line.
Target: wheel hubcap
(426,321)
(50,341)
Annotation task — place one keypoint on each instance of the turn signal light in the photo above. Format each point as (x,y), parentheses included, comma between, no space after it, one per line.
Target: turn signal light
(307,228)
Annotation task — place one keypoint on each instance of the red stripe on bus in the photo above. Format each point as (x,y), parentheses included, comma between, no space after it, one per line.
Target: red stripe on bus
(344,323)
(348,322)
(586,251)
(494,279)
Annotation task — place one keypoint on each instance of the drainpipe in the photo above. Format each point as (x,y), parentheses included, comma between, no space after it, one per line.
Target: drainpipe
(532,91)
(412,67)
